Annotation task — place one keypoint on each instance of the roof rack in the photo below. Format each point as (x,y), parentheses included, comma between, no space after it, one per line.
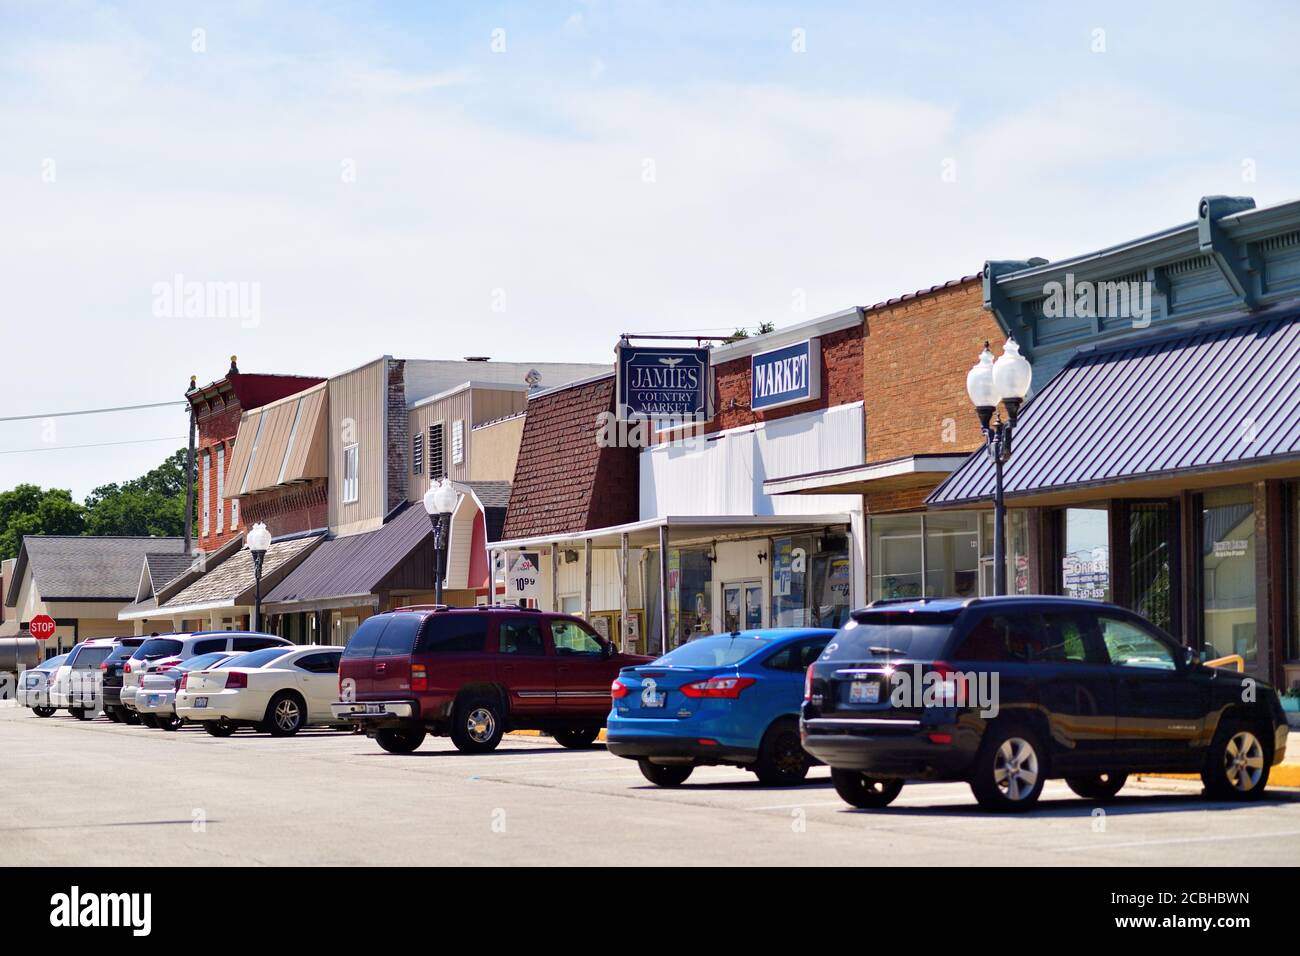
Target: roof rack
(423,607)
(506,605)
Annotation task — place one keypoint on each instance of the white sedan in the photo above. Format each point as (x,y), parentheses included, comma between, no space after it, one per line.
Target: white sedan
(278,689)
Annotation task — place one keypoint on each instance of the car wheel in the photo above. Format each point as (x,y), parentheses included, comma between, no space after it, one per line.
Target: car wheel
(403,741)
(1100,787)
(285,715)
(476,725)
(782,761)
(112,714)
(217,728)
(866,793)
(130,717)
(168,722)
(1237,765)
(1010,770)
(149,720)
(577,739)
(665,775)
(43,711)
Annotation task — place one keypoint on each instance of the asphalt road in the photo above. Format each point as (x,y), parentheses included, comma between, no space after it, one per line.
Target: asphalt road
(98,793)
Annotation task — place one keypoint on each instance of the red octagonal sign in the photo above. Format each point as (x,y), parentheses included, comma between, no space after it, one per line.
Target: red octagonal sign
(41,627)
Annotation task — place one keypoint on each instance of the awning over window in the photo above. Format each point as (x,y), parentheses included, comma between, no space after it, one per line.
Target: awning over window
(1200,403)
(280,443)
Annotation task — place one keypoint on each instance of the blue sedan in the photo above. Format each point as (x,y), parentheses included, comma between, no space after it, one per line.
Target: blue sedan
(728,699)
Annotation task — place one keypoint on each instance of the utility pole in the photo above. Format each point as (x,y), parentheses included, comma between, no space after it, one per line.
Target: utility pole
(189,475)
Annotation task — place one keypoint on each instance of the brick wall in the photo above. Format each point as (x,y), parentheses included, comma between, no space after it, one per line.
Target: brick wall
(398,445)
(841,373)
(216,429)
(287,509)
(915,356)
(564,481)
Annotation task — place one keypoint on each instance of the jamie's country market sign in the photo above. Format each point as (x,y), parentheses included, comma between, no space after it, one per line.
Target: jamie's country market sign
(663,382)
(786,375)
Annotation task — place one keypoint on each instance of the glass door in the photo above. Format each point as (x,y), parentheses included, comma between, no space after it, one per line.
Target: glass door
(742,605)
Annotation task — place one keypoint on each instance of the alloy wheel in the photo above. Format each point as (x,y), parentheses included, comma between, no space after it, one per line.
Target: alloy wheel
(480,725)
(1015,769)
(287,714)
(1243,761)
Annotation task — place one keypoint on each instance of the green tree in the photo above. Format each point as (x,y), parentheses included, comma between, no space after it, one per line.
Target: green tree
(30,509)
(153,504)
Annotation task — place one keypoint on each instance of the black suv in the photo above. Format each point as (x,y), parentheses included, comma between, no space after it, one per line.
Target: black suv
(112,668)
(1006,692)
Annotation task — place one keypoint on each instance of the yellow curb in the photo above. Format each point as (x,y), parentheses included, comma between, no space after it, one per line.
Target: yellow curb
(538,733)
(1283,775)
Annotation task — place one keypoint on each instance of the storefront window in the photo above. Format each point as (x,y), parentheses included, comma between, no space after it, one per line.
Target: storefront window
(952,554)
(811,580)
(896,557)
(1085,559)
(1228,568)
(1017,531)
(690,594)
(1150,533)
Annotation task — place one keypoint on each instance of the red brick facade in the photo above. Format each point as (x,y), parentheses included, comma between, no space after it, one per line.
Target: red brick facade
(916,352)
(564,480)
(217,410)
(288,509)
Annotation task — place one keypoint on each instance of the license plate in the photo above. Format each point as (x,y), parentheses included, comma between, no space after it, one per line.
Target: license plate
(33,681)
(653,700)
(200,702)
(864,692)
(153,700)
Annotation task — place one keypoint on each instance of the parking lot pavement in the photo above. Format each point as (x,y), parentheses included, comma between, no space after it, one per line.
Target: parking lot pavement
(98,793)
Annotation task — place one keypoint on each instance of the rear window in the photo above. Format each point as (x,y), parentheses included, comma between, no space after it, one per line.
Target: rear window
(922,635)
(366,637)
(201,661)
(121,652)
(452,633)
(157,647)
(88,658)
(256,658)
(713,651)
(399,637)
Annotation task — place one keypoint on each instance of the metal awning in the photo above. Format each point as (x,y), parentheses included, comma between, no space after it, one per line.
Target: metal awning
(895,474)
(682,529)
(1154,414)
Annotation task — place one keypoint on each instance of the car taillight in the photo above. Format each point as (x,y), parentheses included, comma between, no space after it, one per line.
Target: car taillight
(126,668)
(726,687)
(419,677)
(807,684)
(104,666)
(618,690)
(236,679)
(185,681)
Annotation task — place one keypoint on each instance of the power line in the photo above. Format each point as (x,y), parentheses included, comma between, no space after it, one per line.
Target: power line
(100,444)
(90,411)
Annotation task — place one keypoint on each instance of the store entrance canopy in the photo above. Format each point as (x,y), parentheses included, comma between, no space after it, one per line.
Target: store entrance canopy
(1153,414)
(681,529)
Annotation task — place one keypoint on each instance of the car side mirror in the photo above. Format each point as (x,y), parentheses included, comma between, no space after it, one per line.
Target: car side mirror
(607,650)
(1192,656)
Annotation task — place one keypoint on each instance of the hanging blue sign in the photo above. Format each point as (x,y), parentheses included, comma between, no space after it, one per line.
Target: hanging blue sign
(786,375)
(663,382)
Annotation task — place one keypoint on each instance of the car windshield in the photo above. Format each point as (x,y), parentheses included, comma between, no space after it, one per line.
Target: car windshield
(921,635)
(202,661)
(157,647)
(718,651)
(255,658)
(54,663)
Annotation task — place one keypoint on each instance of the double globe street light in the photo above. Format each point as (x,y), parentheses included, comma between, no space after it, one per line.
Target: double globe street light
(989,382)
(439,503)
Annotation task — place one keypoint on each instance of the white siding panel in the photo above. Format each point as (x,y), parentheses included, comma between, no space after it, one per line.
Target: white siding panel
(726,476)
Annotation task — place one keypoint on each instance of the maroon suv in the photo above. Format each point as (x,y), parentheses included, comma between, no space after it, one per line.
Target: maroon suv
(474,673)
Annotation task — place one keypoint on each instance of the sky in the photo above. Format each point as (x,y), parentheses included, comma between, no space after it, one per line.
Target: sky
(527,181)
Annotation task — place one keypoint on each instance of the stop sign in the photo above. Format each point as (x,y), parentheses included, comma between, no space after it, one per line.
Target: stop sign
(41,627)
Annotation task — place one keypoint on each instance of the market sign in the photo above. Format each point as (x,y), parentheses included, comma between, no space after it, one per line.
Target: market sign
(786,375)
(662,383)
(523,577)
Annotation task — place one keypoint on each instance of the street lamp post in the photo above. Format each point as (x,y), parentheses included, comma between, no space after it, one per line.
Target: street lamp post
(439,502)
(259,539)
(1006,380)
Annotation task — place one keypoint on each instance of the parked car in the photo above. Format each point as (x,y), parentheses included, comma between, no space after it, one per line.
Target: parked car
(1023,689)
(155,699)
(278,689)
(112,668)
(168,649)
(725,699)
(34,686)
(76,685)
(474,673)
